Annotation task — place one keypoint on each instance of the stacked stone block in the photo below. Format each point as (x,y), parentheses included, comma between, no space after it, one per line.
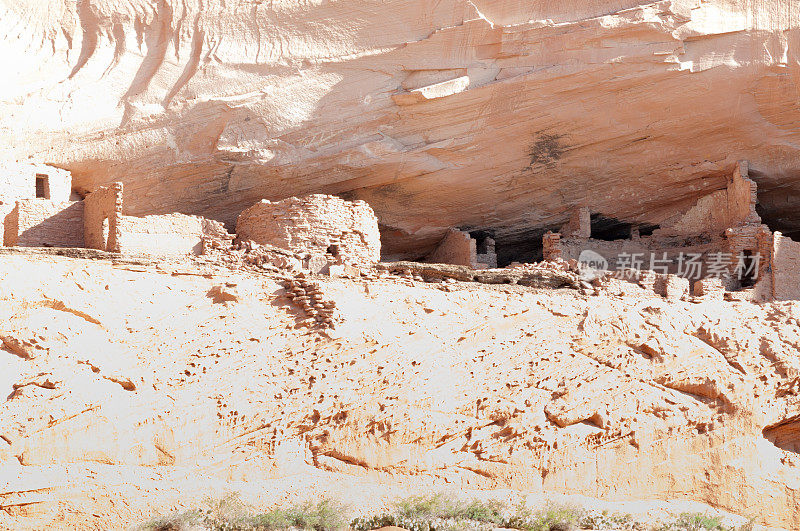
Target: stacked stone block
(551,246)
(309,297)
(709,288)
(318,225)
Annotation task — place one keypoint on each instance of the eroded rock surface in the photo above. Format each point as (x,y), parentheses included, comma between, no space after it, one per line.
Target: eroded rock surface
(484,114)
(142,387)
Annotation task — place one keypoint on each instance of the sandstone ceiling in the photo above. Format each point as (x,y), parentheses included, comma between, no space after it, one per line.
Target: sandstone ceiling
(634,108)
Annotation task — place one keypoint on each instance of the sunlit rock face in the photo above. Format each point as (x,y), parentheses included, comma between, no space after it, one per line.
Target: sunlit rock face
(500,116)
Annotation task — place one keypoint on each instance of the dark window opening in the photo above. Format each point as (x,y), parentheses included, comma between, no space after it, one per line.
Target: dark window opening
(748,269)
(524,247)
(779,202)
(42,187)
(610,229)
(480,237)
(647,229)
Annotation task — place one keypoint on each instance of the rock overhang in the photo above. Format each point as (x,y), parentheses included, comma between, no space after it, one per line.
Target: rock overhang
(635,106)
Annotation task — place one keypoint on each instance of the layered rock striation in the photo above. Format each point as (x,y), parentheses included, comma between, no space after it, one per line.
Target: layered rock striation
(501,116)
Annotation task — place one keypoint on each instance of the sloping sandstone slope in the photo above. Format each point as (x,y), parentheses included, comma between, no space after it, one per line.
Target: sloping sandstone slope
(632,107)
(132,389)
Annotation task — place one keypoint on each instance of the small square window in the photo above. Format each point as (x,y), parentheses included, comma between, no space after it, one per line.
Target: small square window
(42,187)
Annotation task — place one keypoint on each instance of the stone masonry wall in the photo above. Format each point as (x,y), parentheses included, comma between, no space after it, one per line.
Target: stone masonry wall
(44,223)
(742,196)
(10,225)
(105,203)
(315,224)
(6,220)
(751,237)
(18,181)
(710,288)
(488,259)
(456,248)
(709,214)
(579,225)
(785,268)
(720,210)
(551,246)
(647,252)
(460,248)
(167,235)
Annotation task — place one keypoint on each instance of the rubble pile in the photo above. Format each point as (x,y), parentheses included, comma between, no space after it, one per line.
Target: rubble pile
(309,297)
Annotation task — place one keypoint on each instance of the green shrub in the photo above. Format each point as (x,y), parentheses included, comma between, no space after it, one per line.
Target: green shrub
(439,506)
(421,513)
(605,520)
(695,522)
(229,514)
(555,517)
(436,513)
(176,522)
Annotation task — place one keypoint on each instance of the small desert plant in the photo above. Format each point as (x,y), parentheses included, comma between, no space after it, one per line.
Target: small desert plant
(606,520)
(482,511)
(320,516)
(435,513)
(554,517)
(421,513)
(176,522)
(749,526)
(387,519)
(695,522)
(225,509)
(229,514)
(439,506)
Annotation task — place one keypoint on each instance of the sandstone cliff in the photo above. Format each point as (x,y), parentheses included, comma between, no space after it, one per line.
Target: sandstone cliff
(135,388)
(501,116)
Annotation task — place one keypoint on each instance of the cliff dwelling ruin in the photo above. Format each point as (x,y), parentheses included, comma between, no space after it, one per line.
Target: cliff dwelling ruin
(461,248)
(720,237)
(720,244)
(43,211)
(258,255)
(322,228)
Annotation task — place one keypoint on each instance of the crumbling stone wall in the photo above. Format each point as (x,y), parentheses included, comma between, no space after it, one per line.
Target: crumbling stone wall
(460,248)
(319,225)
(551,246)
(18,181)
(456,248)
(98,223)
(44,223)
(785,268)
(579,225)
(103,204)
(742,196)
(730,207)
(709,288)
(752,238)
(8,223)
(488,258)
(167,235)
(724,222)
(645,252)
